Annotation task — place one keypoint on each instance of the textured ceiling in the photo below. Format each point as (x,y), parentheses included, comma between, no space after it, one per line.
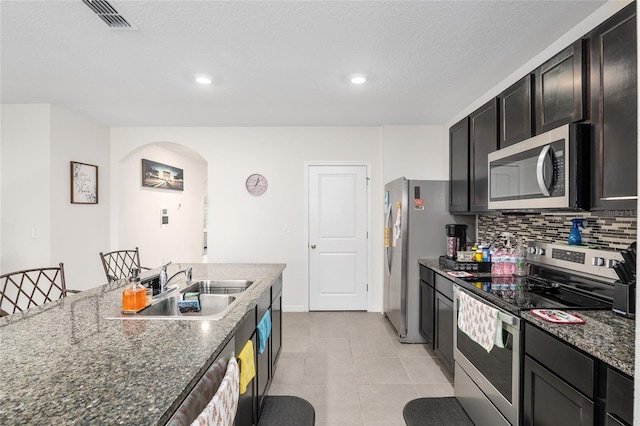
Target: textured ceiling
(274,63)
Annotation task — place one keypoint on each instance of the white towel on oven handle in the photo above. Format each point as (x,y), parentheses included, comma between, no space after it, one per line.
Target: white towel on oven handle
(480,322)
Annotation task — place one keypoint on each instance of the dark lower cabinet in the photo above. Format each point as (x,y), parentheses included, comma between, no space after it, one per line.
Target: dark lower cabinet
(619,400)
(559,382)
(436,314)
(516,112)
(262,360)
(443,343)
(560,87)
(252,401)
(614,112)
(247,413)
(427,304)
(427,317)
(565,386)
(276,328)
(548,400)
(483,139)
(459,166)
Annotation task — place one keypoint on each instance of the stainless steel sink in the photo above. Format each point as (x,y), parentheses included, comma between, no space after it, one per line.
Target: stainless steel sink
(211,305)
(217,299)
(218,286)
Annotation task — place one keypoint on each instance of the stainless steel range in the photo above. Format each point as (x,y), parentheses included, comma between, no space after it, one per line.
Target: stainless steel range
(487,384)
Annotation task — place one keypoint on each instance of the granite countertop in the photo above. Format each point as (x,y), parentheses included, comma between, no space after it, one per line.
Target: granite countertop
(606,336)
(64,363)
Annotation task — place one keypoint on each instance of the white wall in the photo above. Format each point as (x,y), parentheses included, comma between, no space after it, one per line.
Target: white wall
(40,226)
(26,187)
(78,231)
(415,152)
(243,228)
(139,215)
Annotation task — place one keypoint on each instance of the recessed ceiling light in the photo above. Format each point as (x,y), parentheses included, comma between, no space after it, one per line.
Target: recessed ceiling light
(203,79)
(358,79)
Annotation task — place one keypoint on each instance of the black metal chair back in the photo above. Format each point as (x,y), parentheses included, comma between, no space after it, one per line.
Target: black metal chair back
(118,264)
(25,289)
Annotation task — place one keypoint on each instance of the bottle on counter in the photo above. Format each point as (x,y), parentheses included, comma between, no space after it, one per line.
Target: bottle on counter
(478,254)
(496,266)
(134,297)
(521,259)
(486,254)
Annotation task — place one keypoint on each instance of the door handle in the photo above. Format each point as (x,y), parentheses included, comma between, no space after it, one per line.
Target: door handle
(313,246)
(545,159)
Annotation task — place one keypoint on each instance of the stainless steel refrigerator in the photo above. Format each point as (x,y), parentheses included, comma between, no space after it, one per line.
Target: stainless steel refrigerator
(416,212)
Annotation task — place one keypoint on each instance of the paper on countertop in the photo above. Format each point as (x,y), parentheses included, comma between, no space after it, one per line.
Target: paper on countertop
(557,317)
(459,274)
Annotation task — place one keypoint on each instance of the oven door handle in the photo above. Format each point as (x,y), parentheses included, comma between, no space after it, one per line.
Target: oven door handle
(506,318)
(502,316)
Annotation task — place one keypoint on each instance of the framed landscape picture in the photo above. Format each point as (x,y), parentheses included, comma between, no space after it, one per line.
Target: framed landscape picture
(84,183)
(158,175)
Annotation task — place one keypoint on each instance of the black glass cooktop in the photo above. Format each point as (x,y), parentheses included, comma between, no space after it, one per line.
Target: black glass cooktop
(535,292)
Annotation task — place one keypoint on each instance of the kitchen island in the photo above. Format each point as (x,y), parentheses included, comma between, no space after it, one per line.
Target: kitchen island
(64,362)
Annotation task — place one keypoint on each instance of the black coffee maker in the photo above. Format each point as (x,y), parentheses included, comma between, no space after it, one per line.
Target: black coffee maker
(456,239)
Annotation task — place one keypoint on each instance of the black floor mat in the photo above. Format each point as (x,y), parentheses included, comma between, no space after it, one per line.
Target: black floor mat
(287,411)
(435,412)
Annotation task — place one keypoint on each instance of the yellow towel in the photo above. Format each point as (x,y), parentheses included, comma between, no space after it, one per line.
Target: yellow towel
(247,366)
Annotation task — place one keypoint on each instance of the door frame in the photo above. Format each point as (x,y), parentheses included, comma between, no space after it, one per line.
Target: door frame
(307,166)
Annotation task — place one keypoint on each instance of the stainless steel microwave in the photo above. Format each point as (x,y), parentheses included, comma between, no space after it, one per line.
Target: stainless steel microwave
(546,172)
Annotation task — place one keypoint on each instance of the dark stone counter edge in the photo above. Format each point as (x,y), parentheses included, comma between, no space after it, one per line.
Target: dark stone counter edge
(166,416)
(621,357)
(175,405)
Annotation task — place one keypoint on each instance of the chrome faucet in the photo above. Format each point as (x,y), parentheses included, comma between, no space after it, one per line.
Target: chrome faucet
(163,277)
(164,281)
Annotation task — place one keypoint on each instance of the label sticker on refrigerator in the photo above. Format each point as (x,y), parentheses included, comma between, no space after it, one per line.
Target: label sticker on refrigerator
(418,204)
(387,233)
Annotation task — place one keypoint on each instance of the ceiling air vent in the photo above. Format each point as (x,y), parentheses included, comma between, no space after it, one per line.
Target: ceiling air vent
(109,14)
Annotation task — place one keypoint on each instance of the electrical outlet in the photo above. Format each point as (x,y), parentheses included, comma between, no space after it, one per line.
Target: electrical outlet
(288,229)
(35,232)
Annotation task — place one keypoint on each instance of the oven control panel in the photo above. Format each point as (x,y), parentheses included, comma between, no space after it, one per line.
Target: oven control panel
(568,255)
(577,258)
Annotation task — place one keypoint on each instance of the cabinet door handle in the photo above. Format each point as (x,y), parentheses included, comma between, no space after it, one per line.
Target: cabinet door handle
(313,246)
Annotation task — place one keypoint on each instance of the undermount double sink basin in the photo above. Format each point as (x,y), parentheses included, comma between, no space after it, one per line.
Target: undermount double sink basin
(217,299)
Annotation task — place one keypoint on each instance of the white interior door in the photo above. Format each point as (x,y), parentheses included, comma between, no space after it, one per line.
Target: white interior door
(337,238)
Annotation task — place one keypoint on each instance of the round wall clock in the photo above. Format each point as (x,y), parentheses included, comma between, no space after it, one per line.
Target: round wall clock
(256,184)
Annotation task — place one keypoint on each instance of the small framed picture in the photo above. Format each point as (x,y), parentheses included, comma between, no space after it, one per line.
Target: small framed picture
(84,183)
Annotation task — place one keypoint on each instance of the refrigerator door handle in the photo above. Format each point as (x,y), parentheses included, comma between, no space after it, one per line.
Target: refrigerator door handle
(388,248)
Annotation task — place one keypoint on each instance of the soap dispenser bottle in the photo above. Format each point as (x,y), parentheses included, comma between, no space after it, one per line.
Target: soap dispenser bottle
(134,296)
(575,239)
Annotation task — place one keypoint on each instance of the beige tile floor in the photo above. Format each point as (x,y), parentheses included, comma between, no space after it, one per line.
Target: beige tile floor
(352,369)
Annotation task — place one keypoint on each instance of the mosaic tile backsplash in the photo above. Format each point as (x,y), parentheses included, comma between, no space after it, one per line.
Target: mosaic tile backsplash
(615,233)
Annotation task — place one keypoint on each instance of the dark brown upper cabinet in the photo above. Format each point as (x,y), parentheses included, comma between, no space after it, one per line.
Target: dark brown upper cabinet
(614,95)
(483,139)
(459,166)
(516,107)
(560,89)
